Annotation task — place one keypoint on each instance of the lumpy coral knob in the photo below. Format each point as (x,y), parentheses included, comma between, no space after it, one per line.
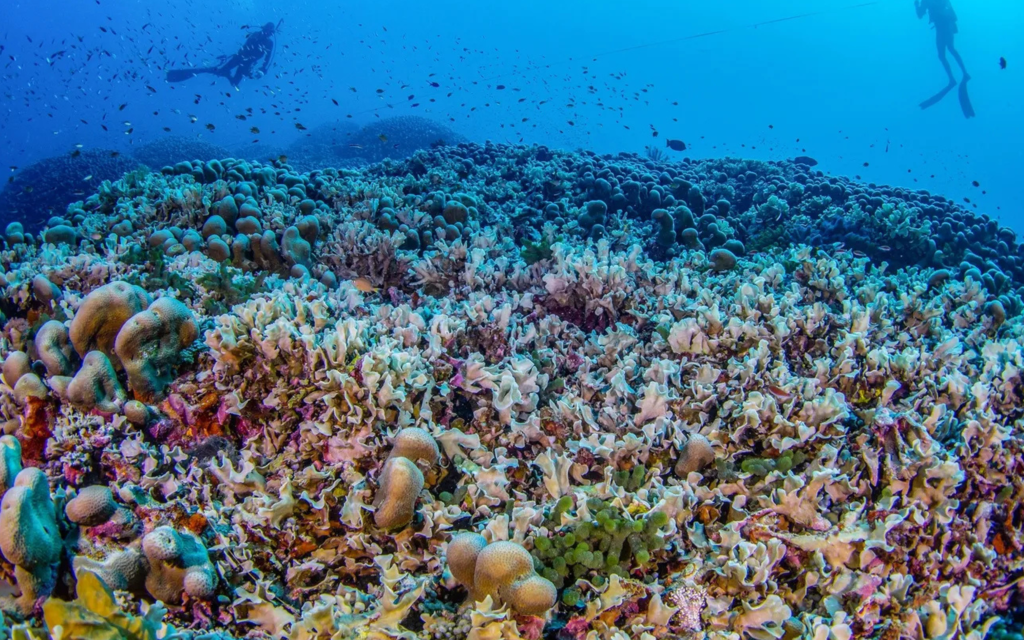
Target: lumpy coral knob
(504,571)
(29,537)
(400,485)
(417,445)
(462,554)
(696,454)
(92,506)
(102,314)
(150,343)
(178,564)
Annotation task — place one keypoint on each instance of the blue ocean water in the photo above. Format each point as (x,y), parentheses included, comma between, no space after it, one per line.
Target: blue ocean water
(837,80)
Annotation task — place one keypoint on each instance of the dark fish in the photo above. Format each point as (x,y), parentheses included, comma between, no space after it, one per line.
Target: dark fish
(76,153)
(1002,63)
(151,88)
(210,127)
(676,145)
(254,130)
(299,126)
(500,87)
(807,160)
(334,101)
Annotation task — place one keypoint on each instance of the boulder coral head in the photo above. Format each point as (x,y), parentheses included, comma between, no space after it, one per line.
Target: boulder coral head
(54,348)
(178,564)
(400,484)
(401,478)
(150,343)
(29,536)
(95,386)
(502,570)
(102,314)
(10,462)
(92,506)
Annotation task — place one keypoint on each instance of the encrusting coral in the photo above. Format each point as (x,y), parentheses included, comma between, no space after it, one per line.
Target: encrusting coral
(665,396)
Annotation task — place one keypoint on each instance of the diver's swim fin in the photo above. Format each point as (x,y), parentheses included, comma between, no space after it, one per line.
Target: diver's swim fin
(178,75)
(934,100)
(965,100)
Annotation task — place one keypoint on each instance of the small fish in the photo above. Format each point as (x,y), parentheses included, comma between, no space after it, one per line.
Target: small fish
(76,153)
(355,146)
(210,127)
(254,130)
(364,285)
(114,154)
(676,145)
(976,183)
(884,248)
(1002,63)
(299,126)
(87,178)
(383,138)
(807,160)
(335,102)
(500,87)
(779,392)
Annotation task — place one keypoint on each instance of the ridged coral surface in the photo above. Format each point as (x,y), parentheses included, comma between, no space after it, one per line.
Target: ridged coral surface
(723,397)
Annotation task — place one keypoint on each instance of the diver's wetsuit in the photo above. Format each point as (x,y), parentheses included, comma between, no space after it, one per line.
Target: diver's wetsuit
(257,50)
(258,46)
(941,15)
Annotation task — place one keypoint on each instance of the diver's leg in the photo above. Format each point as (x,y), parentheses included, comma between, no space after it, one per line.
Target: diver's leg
(959,60)
(942,43)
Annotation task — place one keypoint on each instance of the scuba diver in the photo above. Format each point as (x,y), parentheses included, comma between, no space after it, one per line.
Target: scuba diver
(943,18)
(252,60)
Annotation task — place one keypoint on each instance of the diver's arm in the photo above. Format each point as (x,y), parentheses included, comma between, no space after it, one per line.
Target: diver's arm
(268,55)
(920,8)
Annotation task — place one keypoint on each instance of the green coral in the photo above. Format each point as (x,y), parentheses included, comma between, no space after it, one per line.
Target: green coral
(534,252)
(228,287)
(783,464)
(155,274)
(610,542)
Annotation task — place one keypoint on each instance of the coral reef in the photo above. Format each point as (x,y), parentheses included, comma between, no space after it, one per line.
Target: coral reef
(170,150)
(47,187)
(608,397)
(397,137)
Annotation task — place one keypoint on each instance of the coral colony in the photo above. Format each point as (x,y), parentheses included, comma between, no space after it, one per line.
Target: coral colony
(507,392)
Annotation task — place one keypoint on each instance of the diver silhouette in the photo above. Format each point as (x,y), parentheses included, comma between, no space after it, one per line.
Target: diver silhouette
(257,50)
(943,19)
